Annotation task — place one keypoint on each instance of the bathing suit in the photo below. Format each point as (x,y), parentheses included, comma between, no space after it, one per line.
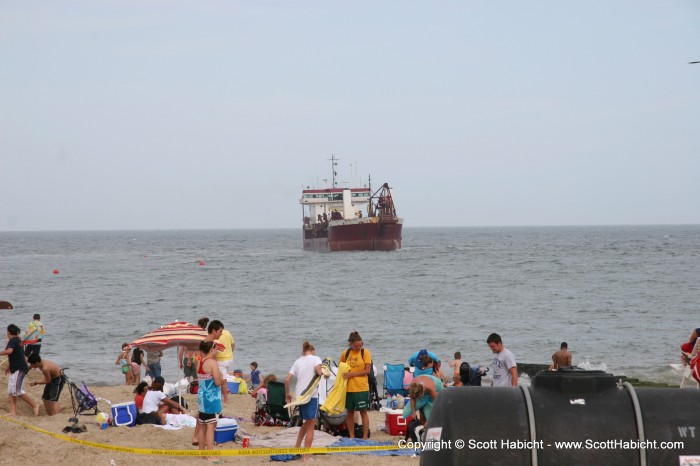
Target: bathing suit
(208,396)
(52,391)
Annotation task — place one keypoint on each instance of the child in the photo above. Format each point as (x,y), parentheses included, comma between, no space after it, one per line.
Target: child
(124,360)
(260,393)
(456,363)
(140,391)
(17,369)
(254,375)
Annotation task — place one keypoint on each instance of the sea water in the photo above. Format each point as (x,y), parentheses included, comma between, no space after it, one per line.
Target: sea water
(625,296)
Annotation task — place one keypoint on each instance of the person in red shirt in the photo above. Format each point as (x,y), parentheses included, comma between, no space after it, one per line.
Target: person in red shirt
(140,391)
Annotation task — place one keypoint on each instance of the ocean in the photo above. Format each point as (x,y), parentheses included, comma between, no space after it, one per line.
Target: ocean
(623,296)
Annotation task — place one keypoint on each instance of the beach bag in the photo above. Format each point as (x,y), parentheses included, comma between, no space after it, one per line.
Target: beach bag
(180,400)
(242,387)
(193,387)
(413,430)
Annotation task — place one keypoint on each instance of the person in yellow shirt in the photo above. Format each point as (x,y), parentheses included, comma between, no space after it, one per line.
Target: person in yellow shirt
(224,357)
(360,361)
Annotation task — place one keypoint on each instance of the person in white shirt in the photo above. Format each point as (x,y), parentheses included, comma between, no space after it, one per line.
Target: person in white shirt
(305,369)
(156,405)
(505,370)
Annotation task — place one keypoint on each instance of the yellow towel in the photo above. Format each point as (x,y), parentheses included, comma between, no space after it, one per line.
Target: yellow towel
(335,401)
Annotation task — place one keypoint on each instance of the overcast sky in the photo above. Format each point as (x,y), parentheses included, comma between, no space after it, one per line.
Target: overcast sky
(214,114)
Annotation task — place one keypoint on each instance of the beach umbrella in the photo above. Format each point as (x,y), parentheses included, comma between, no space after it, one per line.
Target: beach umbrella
(173,334)
(179,334)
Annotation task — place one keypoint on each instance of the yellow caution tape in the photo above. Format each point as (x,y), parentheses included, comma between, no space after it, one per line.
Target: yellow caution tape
(227,452)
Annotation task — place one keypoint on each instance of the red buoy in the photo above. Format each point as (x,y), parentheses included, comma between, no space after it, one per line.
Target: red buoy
(55,271)
(201,263)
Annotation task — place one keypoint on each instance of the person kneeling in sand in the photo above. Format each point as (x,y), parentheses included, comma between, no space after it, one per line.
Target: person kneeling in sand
(156,405)
(53,379)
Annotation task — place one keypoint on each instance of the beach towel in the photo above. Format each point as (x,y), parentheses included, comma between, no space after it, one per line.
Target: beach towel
(335,401)
(310,390)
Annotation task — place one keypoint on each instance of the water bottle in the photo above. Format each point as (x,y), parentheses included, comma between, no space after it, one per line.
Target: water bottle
(393,402)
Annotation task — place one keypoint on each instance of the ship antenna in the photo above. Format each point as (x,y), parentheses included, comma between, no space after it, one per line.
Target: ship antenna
(334,163)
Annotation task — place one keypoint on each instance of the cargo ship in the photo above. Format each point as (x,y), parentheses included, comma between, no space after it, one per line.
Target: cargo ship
(350,219)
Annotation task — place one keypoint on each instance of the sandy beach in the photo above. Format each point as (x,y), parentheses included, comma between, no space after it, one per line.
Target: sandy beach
(21,443)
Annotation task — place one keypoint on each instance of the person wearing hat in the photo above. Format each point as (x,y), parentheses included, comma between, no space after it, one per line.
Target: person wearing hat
(418,361)
(156,405)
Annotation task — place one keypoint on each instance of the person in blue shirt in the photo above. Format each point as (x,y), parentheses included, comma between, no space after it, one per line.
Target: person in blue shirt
(417,360)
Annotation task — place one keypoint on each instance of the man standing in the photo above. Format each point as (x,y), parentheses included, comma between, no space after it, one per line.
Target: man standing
(561,358)
(53,379)
(224,355)
(505,371)
(33,335)
(18,369)
(153,362)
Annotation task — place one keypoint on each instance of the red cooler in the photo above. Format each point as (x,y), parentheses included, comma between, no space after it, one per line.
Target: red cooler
(395,422)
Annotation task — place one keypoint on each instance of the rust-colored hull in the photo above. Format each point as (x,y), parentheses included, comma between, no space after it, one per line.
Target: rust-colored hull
(359,236)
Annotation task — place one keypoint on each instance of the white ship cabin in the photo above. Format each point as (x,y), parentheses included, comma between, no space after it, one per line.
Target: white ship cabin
(333,204)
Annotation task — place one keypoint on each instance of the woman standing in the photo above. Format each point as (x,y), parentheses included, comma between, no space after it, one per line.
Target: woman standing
(208,396)
(357,399)
(305,369)
(124,360)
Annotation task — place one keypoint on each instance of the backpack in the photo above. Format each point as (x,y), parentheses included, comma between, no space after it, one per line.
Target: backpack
(465,373)
(370,377)
(414,430)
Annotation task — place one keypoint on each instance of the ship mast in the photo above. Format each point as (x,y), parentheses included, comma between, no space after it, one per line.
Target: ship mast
(334,163)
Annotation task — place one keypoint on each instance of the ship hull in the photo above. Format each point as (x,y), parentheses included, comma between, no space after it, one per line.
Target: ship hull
(357,235)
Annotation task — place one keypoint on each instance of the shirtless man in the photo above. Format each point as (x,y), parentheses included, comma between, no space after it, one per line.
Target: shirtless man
(561,358)
(52,378)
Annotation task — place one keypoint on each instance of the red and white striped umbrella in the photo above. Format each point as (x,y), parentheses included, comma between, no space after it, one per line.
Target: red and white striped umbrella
(174,334)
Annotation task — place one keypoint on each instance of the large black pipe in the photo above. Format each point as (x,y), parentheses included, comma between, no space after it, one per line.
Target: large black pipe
(611,423)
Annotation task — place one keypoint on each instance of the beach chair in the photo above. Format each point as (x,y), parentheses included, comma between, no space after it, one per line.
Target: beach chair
(393,380)
(81,399)
(276,399)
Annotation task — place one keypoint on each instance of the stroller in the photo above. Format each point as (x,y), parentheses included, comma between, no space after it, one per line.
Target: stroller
(471,375)
(81,399)
(335,424)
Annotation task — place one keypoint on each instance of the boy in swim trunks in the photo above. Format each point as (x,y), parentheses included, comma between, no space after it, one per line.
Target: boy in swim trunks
(53,379)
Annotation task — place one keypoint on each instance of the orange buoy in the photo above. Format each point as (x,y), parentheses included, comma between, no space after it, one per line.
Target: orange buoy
(55,271)
(201,263)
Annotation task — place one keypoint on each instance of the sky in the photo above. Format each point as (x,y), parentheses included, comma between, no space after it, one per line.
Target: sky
(142,115)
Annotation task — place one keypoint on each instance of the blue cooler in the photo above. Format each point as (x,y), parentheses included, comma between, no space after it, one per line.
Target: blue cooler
(226,429)
(233,387)
(124,414)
